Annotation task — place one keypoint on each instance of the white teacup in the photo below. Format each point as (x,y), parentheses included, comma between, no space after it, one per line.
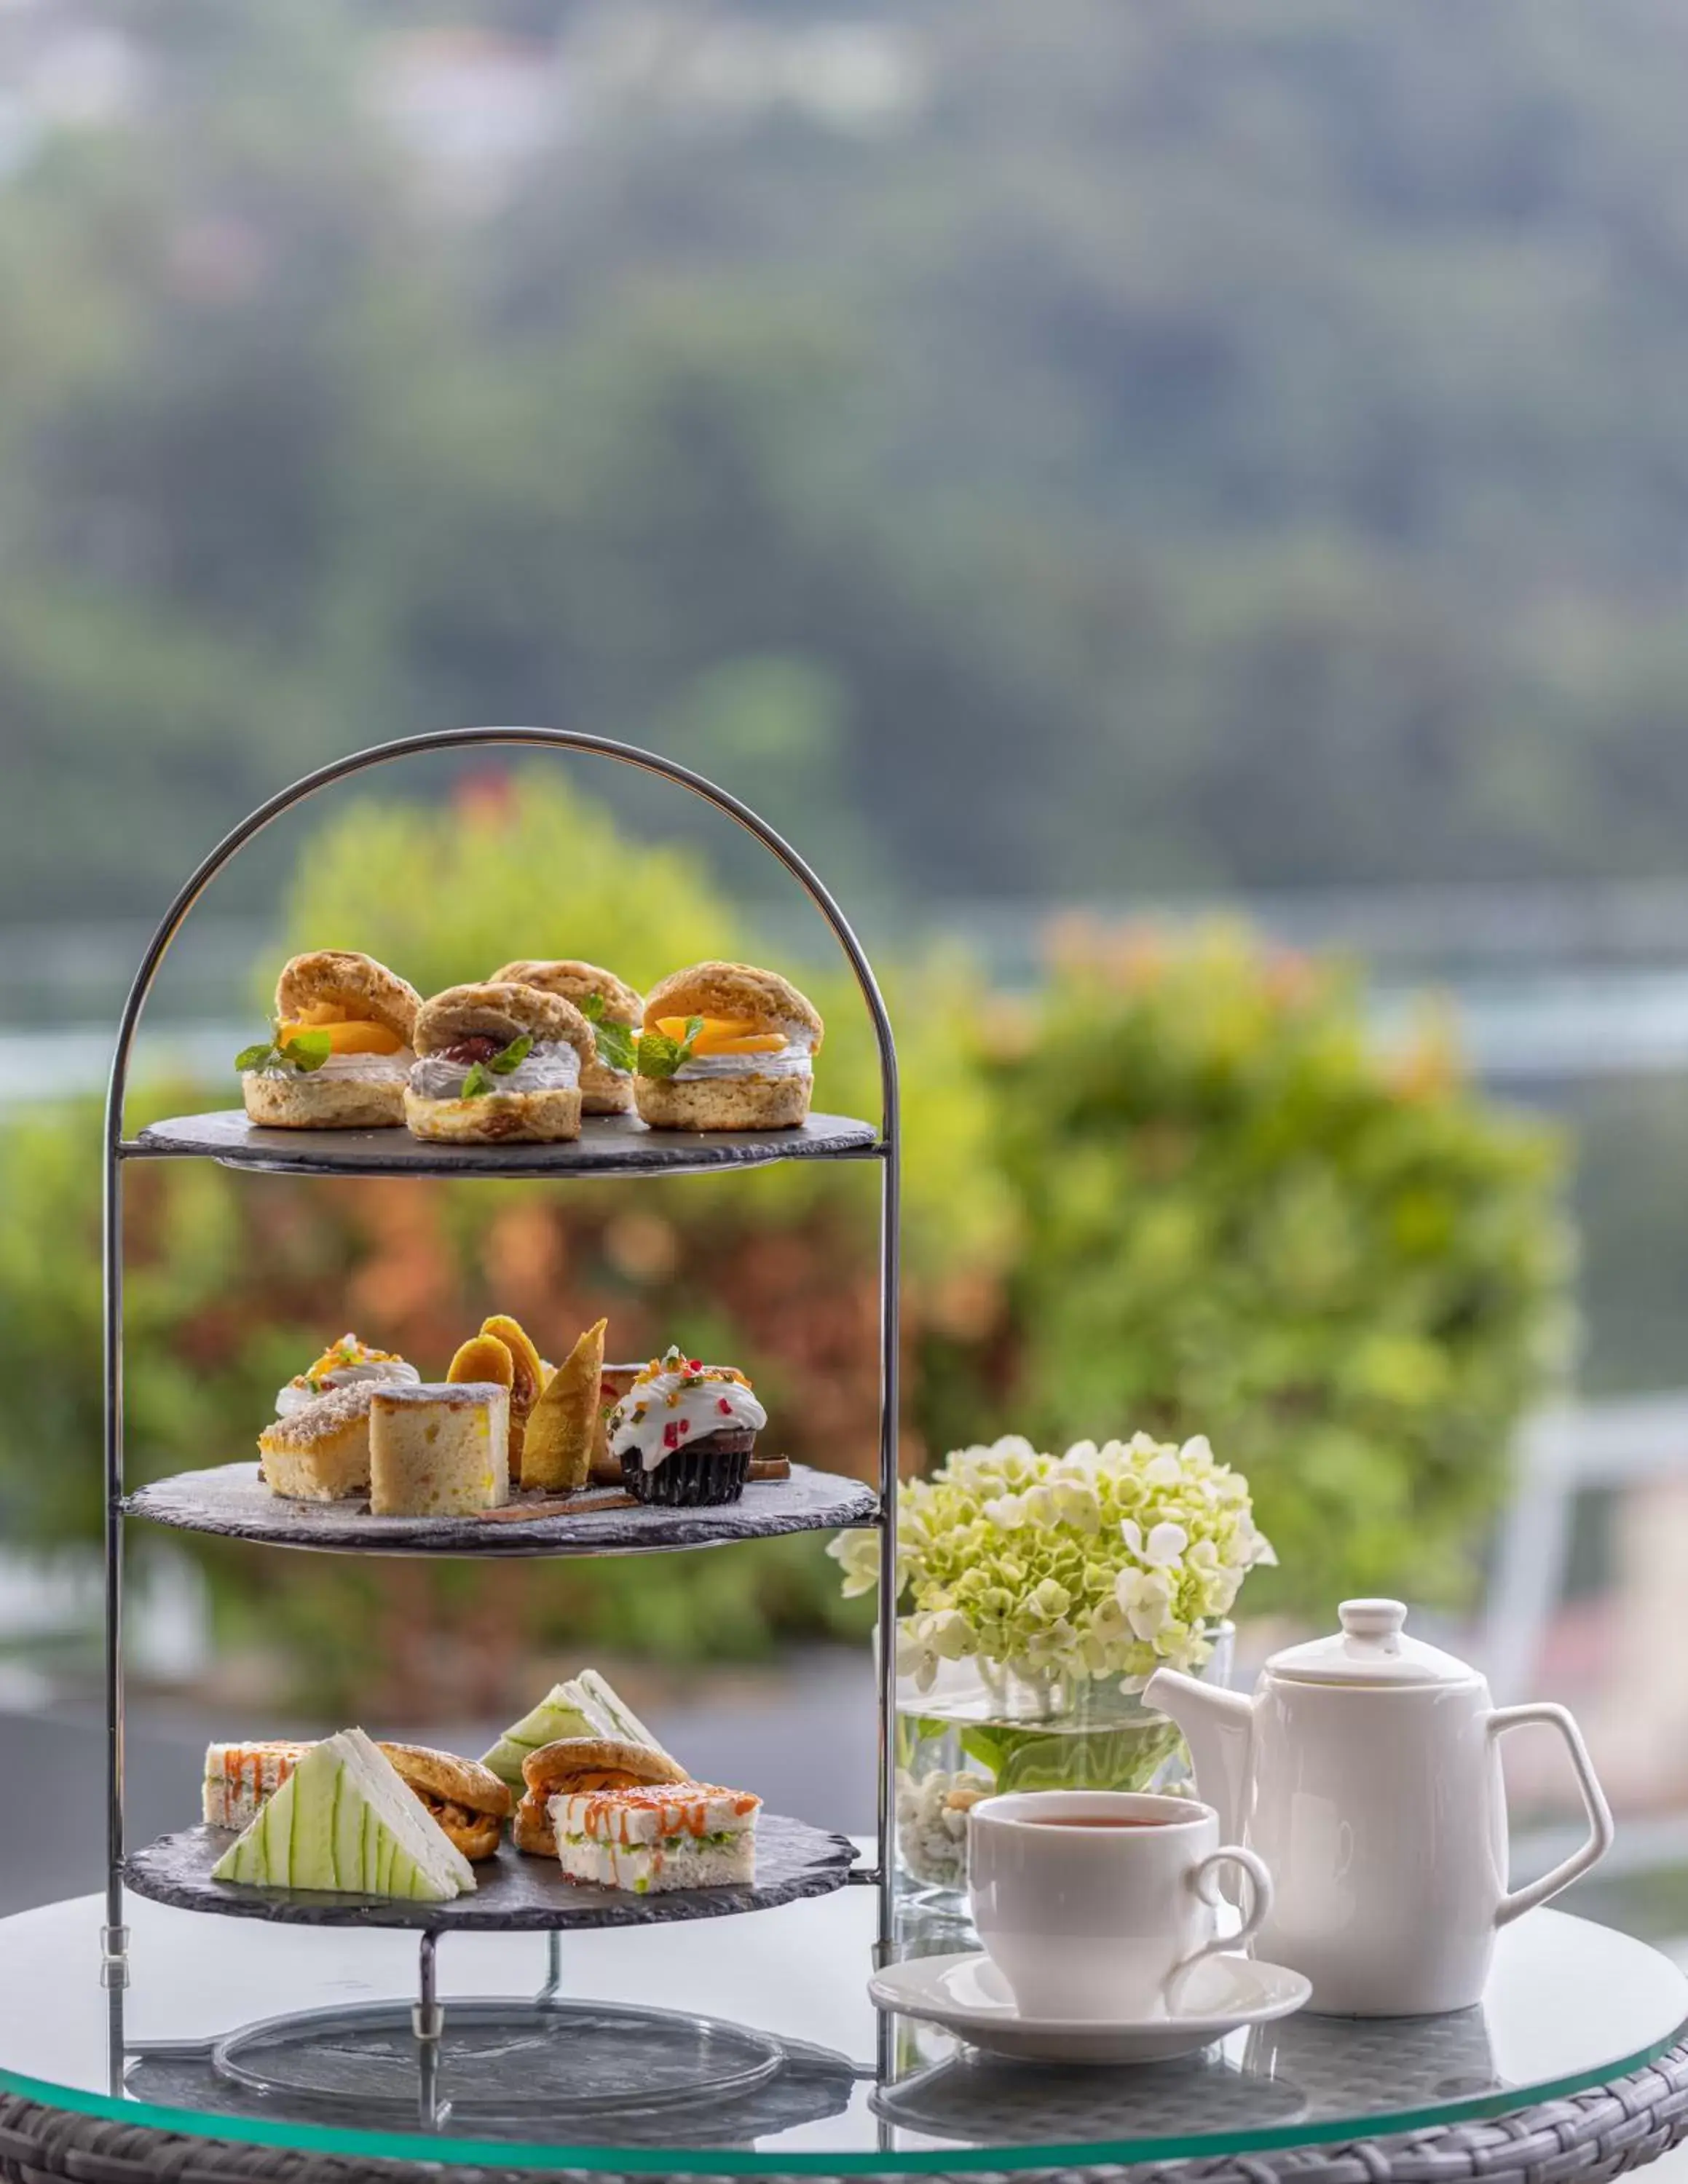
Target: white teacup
(1094,1903)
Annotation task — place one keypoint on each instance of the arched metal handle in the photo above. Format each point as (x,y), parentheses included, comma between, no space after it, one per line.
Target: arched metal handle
(458,739)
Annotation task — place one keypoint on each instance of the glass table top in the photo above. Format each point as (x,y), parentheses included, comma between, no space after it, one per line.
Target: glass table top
(588,2052)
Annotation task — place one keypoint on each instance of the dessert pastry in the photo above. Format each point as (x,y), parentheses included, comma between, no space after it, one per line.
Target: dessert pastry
(529,1374)
(586,1707)
(614,1011)
(344,1364)
(321,1453)
(579,1763)
(339,1050)
(726,1047)
(653,1838)
(463,1798)
(684,1432)
(498,1065)
(437,1451)
(343,1820)
(557,1454)
(502,1351)
(239,1777)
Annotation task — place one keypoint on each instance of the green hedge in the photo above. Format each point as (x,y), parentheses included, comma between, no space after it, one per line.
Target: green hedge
(1178,1190)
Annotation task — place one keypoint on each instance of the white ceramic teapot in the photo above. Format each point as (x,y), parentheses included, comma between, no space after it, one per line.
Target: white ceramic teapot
(1365,1772)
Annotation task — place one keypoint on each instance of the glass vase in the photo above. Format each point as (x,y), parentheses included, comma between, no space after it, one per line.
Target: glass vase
(981,1729)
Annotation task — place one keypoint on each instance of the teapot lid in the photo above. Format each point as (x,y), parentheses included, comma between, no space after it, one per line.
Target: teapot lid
(1370,1649)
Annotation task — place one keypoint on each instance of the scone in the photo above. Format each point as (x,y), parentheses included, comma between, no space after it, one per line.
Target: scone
(727,1047)
(614,1011)
(498,1064)
(463,1798)
(321,1453)
(439,1452)
(340,1048)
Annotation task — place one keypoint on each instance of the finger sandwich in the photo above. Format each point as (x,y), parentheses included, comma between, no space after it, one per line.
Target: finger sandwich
(651,1838)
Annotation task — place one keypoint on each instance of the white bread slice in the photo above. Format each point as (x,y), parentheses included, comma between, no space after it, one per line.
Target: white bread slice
(343,1820)
(657,1837)
(239,1777)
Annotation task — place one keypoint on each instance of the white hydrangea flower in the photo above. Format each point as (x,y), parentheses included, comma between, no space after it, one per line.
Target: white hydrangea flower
(1099,1563)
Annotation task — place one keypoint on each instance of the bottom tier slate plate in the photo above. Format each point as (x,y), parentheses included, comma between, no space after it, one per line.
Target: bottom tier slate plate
(516,1893)
(232,1502)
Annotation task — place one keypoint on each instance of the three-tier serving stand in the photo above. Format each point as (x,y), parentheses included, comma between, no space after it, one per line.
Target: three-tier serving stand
(227,1501)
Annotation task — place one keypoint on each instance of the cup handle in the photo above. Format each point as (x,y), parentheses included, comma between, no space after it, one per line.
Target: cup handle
(1594,1804)
(1205,1880)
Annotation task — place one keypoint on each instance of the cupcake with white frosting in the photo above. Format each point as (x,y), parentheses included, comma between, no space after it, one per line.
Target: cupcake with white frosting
(685,1431)
(727,1047)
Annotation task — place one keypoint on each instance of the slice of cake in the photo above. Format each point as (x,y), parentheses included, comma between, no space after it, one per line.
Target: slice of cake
(440,1451)
(586,1707)
(343,1820)
(656,1836)
(321,1453)
(239,1777)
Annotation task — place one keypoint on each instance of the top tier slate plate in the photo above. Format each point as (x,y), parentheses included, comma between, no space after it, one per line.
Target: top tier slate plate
(608,1144)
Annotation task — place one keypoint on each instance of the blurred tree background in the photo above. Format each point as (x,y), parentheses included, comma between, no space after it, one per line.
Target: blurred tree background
(1180,1189)
(1133,447)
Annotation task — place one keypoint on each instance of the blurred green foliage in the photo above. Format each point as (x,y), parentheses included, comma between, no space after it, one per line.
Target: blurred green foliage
(1178,1191)
(1349,1270)
(1194,443)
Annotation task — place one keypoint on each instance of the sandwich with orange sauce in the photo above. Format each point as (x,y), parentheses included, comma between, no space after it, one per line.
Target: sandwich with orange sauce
(726,1047)
(340,1047)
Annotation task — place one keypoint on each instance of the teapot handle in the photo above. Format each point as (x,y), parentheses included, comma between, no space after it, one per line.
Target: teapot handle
(1594,1804)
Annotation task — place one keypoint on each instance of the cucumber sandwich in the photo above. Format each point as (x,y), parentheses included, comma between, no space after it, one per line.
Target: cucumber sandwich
(344,1820)
(586,1707)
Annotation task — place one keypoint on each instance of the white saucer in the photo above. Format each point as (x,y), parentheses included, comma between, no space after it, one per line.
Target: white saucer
(968,1996)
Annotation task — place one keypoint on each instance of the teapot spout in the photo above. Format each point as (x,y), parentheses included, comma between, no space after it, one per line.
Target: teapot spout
(1215,1725)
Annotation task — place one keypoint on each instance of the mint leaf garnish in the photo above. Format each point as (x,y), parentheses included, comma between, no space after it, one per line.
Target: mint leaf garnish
(617,1045)
(513,1056)
(306,1051)
(479,1080)
(659,1055)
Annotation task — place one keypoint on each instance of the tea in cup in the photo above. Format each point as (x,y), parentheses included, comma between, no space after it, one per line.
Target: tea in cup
(1094,1903)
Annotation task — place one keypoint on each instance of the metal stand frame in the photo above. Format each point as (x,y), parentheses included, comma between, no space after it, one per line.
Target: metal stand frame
(427,2015)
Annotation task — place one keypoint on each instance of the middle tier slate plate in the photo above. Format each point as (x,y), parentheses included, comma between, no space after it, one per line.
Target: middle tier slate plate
(233,1502)
(515,1892)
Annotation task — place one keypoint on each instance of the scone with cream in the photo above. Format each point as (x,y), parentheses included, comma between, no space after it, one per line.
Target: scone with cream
(339,1050)
(726,1047)
(437,1451)
(498,1064)
(613,1009)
